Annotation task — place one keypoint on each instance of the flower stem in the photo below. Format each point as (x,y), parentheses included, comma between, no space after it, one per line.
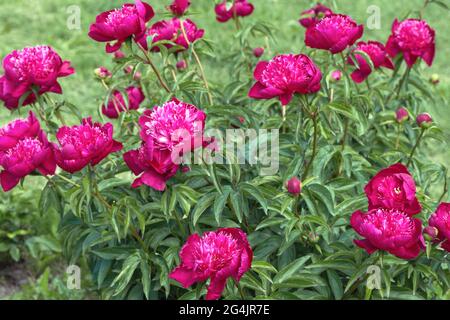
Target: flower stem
(313,116)
(415,147)
(344,138)
(155,70)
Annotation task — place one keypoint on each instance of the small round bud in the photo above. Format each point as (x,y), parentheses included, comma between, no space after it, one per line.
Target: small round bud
(119,55)
(424,120)
(434,79)
(258,52)
(294,186)
(401,114)
(336,75)
(430,233)
(181,65)
(103,73)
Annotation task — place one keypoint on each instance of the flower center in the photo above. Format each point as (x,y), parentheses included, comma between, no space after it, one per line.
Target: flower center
(283,70)
(25,150)
(336,24)
(82,136)
(390,222)
(117,16)
(37,62)
(413,35)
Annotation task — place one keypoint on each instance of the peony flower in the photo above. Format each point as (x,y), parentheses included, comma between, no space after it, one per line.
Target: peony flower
(285,75)
(170,30)
(441,221)
(311,16)
(377,54)
(334,32)
(414,38)
(120,24)
(38,67)
(393,188)
(258,52)
(117,104)
(179,7)
(239,8)
(294,186)
(24,148)
(401,114)
(217,255)
(390,230)
(85,144)
(424,120)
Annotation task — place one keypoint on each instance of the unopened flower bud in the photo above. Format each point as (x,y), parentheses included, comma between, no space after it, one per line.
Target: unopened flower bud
(430,233)
(181,65)
(294,186)
(103,73)
(434,79)
(401,114)
(119,55)
(336,75)
(424,120)
(258,52)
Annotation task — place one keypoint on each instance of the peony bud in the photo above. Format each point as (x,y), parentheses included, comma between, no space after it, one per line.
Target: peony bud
(181,65)
(103,73)
(129,70)
(424,120)
(119,55)
(294,186)
(434,79)
(258,52)
(401,114)
(430,233)
(336,75)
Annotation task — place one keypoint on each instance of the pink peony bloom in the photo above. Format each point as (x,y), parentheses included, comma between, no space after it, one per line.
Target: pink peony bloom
(393,188)
(85,144)
(285,75)
(217,255)
(294,186)
(311,16)
(179,7)
(390,230)
(24,148)
(120,24)
(117,104)
(414,38)
(441,221)
(424,120)
(170,30)
(401,114)
(377,54)
(239,8)
(38,67)
(258,52)
(334,33)
(168,132)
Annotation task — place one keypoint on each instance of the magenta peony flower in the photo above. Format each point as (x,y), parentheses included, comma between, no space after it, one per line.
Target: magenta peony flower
(239,8)
(179,7)
(441,221)
(217,255)
(393,188)
(167,132)
(334,32)
(285,75)
(401,114)
(377,54)
(24,148)
(294,186)
(389,230)
(120,24)
(258,52)
(311,16)
(85,144)
(414,38)
(424,120)
(170,30)
(38,67)
(117,104)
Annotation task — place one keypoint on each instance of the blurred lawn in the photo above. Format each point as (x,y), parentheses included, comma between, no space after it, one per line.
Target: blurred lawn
(32,22)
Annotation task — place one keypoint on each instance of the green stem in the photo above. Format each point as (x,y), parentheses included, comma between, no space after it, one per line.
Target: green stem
(415,147)
(155,70)
(314,144)
(344,138)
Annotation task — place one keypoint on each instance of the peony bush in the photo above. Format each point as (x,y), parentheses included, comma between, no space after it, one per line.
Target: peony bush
(155,200)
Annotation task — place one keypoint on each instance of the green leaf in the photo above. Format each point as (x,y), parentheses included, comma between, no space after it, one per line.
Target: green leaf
(204,203)
(289,270)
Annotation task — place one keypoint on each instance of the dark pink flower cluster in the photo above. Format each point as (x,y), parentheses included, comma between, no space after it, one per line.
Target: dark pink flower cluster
(217,255)
(311,16)
(167,132)
(285,75)
(239,8)
(117,104)
(389,224)
(30,70)
(24,148)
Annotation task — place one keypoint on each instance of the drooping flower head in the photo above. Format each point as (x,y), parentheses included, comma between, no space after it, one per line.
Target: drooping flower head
(393,188)
(311,16)
(217,256)
(377,54)
(285,75)
(414,38)
(24,148)
(179,7)
(441,221)
(390,230)
(120,24)
(334,32)
(38,67)
(117,103)
(239,8)
(85,144)
(170,30)
(168,132)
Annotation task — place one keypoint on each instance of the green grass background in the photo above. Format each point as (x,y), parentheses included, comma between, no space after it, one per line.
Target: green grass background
(32,22)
